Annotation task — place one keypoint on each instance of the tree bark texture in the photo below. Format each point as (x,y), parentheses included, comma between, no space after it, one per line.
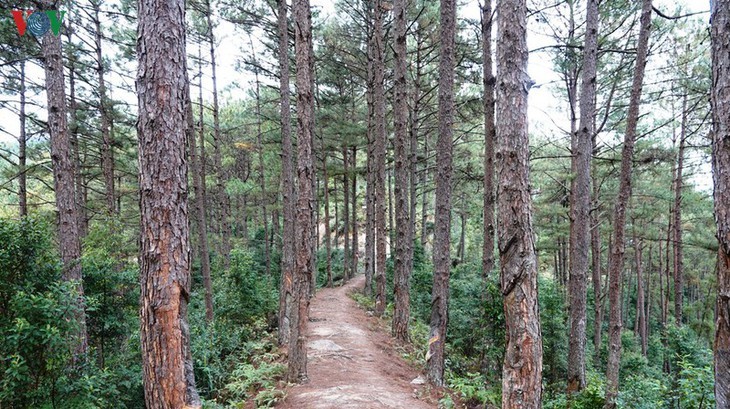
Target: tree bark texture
(297,370)
(163,92)
(720,97)
(403,261)
(489,140)
(522,368)
(64,184)
(379,157)
(444,171)
(619,218)
(580,201)
(287,181)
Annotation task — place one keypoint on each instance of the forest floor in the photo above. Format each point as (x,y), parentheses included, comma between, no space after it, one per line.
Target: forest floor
(353,363)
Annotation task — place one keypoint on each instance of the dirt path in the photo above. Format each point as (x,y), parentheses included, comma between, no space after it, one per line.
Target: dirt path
(352,362)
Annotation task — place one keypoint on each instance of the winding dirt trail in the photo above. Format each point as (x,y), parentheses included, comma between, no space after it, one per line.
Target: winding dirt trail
(352,361)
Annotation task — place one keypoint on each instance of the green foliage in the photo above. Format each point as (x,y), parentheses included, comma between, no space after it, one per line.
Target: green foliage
(247,380)
(35,329)
(592,397)
(242,295)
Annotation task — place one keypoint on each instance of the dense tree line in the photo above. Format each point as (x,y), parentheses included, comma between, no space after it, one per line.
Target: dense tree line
(162,234)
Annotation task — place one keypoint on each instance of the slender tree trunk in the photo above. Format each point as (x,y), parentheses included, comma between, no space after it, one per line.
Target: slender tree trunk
(287,181)
(403,260)
(424,195)
(262,175)
(355,239)
(297,371)
(622,201)
(522,369)
(391,219)
(379,156)
(204,251)
(73,129)
(370,187)
(490,137)
(163,95)
(597,273)
(220,191)
(107,143)
(346,275)
(720,93)
(327,229)
(22,145)
(64,186)
(677,223)
(444,169)
(580,200)
(640,326)
(488,81)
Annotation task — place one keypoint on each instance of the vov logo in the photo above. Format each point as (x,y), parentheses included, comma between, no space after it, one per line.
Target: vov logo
(38,22)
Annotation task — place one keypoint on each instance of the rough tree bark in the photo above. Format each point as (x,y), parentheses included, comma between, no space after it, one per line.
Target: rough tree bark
(580,201)
(522,368)
(404,237)
(444,170)
(370,187)
(297,370)
(379,157)
(720,97)
(287,181)
(489,140)
(163,92)
(619,218)
(64,185)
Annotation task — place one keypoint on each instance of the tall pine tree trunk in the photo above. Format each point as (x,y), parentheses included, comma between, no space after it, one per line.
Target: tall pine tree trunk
(64,180)
(327,229)
(379,158)
(580,201)
(677,222)
(522,369)
(163,94)
(297,371)
(346,216)
(107,143)
(287,181)
(220,191)
(489,140)
(444,169)
(619,219)
(720,93)
(200,210)
(355,239)
(403,261)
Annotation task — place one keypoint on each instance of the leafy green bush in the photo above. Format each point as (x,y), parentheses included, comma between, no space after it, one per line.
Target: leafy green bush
(35,330)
